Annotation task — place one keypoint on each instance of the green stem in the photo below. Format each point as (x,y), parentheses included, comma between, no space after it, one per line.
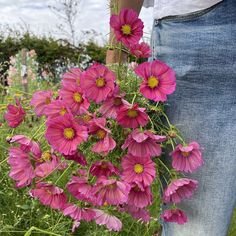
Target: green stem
(28,233)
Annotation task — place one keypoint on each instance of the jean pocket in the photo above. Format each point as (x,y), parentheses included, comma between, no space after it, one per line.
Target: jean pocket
(190,16)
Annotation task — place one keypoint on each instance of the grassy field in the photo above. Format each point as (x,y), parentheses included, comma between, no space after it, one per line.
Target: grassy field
(22,215)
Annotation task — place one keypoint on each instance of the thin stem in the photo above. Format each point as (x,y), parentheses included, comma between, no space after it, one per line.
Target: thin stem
(28,233)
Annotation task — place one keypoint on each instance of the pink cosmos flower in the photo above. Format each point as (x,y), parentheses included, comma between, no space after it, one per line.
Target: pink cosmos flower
(40,100)
(103,168)
(140,50)
(111,191)
(81,189)
(174,215)
(187,158)
(78,213)
(27,145)
(158,80)
(106,143)
(56,108)
(137,213)
(21,168)
(128,28)
(74,98)
(98,82)
(111,222)
(49,195)
(71,77)
(50,163)
(143,143)
(139,196)
(138,169)
(112,105)
(15,114)
(77,157)
(64,134)
(179,189)
(132,117)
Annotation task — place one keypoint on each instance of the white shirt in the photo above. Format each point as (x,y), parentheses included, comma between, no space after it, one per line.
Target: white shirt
(164,8)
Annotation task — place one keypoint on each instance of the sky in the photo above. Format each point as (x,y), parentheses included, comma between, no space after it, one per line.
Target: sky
(38,18)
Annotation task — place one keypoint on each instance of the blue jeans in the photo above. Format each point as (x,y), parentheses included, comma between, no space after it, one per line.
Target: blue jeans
(201,48)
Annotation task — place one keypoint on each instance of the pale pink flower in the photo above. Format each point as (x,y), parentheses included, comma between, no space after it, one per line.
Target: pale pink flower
(143,143)
(187,158)
(179,189)
(40,101)
(72,77)
(174,215)
(22,170)
(56,108)
(49,195)
(111,222)
(140,50)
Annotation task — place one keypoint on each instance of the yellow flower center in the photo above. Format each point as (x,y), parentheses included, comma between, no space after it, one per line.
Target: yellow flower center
(47,101)
(126,29)
(132,113)
(105,204)
(138,168)
(103,166)
(185,154)
(101,133)
(62,111)
(117,101)
(77,97)
(153,82)
(87,118)
(69,133)
(46,156)
(100,82)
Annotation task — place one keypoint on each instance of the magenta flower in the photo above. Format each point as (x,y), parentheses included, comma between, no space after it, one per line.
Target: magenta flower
(111,191)
(138,169)
(187,158)
(64,134)
(103,168)
(174,215)
(15,114)
(158,80)
(71,77)
(111,222)
(81,189)
(179,189)
(77,157)
(128,28)
(78,213)
(132,117)
(143,143)
(98,82)
(112,105)
(22,170)
(139,196)
(137,213)
(140,50)
(74,98)
(106,143)
(50,163)
(49,195)
(56,108)
(27,145)
(40,101)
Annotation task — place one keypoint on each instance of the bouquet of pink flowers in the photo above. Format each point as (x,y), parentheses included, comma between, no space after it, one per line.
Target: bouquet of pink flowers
(99,147)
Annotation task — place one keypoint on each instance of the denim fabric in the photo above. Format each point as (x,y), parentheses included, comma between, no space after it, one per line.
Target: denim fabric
(201,48)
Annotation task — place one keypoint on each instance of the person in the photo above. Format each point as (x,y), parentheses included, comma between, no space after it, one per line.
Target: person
(198,40)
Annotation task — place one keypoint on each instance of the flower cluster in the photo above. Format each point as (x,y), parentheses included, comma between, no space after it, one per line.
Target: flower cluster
(106,133)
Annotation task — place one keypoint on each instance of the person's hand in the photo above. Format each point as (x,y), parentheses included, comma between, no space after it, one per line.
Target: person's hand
(112,56)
